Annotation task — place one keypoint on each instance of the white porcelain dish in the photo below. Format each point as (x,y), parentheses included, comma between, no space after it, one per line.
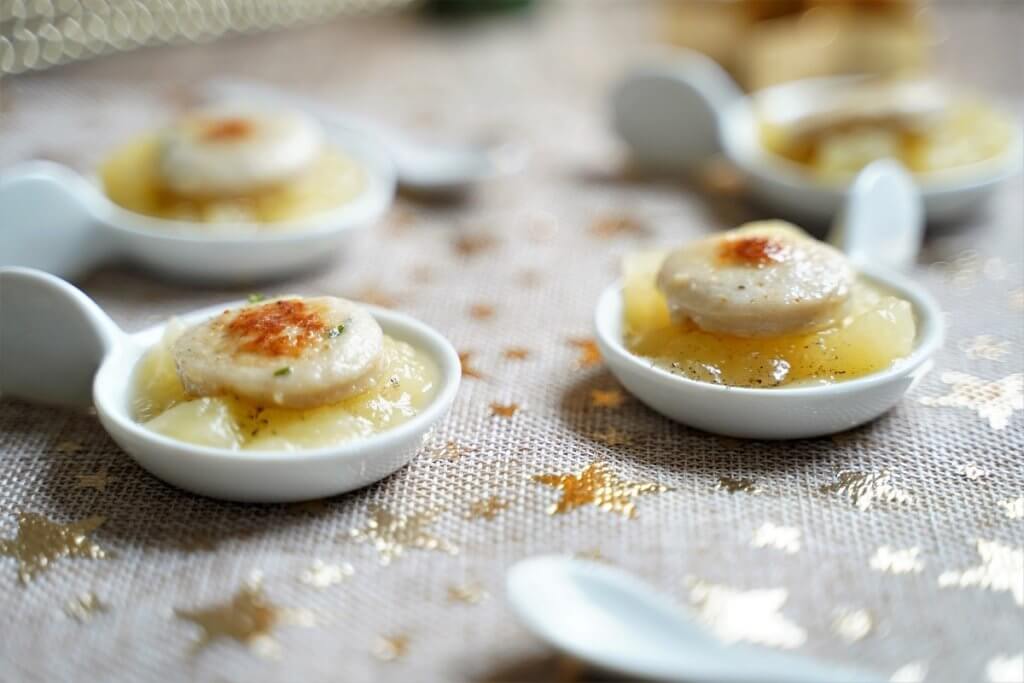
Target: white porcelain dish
(676,113)
(59,347)
(880,227)
(53,219)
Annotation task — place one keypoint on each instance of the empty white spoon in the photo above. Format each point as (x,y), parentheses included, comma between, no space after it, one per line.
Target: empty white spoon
(675,113)
(423,168)
(59,347)
(53,219)
(881,231)
(611,619)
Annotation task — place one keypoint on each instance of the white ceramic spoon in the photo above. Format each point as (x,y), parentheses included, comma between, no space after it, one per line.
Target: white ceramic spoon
(57,346)
(881,232)
(53,219)
(612,620)
(677,112)
(426,169)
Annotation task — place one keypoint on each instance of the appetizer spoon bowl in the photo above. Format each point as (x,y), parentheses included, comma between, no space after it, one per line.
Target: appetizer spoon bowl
(53,219)
(59,347)
(677,113)
(881,220)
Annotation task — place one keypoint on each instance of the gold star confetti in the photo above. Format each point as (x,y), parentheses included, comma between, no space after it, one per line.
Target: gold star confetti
(84,607)
(1000,570)
(753,616)
(1017,299)
(486,508)
(68,447)
(321,575)
(616,225)
(451,450)
(248,618)
(852,625)
(784,538)
(472,593)
(481,311)
(592,555)
(897,561)
(971,471)
(1013,508)
(589,354)
(912,672)
(472,245)
(1005,668)
(985,347)
(376,297)
(993,401)
(865,489)
(390,648)
(97,481)
(612,437)
(391,534)
(516,353)
(597,485)
(606,398)
(39,542)
(422,274)
(735,485)
(529,278)
(504,409)
(466,361)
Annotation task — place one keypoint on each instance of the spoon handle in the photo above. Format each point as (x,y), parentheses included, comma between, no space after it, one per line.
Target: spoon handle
(46,222)
(52,338)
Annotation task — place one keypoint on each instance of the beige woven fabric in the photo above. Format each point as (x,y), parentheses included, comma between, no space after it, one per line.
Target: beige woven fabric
(540,82)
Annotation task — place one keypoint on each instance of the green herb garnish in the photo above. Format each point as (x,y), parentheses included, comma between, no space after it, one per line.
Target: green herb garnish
(281,372)
(255,298)
(336,331)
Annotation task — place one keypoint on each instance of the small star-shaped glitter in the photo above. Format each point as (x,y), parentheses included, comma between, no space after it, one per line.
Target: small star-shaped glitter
(852,625)
(589,354)
(754,616)
(865,489)
(504,409)
(486,508)
(248,618)
(1000,570)
(466,361)
(771,535)
(39,542)
(450,450)
(472,593)
(606,398)
(612,437)
(897,560)
(993,401)
(84,607)
(737,485)
(390,648)
(391,533)
(322,575)
(473,244)
(68,447)
(97,481)
(376,297)
(529,278)
(516,353)
(481,311)
(985,347)
(615,225)
(592,555)
(1013,508)
(597,485)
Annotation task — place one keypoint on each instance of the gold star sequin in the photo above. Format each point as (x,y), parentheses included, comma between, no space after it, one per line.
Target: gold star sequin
(592,555)
(97,481)
(322,575)
(589,354)
(451,450)
(985,347)
(606,398)
(852,625)
(1000,570)
(516,353)
(753,616)
(474,244)
(466,361)
(481,311)
(68,447)
(1013,508)
(865,489)
(897,560)
(85,607)
(486,508)
(391,533)
(971,471)
(471,593)
(597,485)
(616,225)
(770,535)
(248,618)
(376,297)
(993,401)
(390,648)
(612,437)
(737,485)
(504,409)
(39,542)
